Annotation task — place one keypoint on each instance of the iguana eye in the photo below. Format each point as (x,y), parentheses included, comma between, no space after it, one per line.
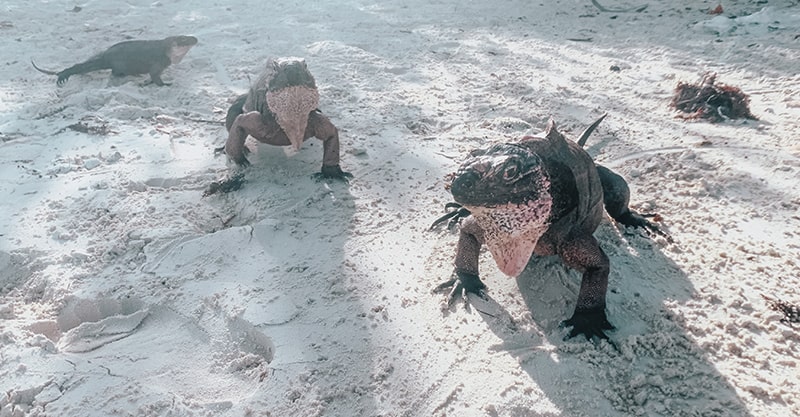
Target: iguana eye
(511,172)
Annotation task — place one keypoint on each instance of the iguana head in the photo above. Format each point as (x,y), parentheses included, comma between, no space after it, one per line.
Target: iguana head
(507,190)
(291,95)
(180,47)
(289,72)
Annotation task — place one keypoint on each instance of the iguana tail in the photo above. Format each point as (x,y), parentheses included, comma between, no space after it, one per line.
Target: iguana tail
(43,71)
(93,64)
(235,110)
(585,135)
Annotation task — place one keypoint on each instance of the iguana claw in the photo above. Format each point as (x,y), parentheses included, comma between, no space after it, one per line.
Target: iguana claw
(454,216)
(463,284)
(637,220)
(332,172)
(589,323)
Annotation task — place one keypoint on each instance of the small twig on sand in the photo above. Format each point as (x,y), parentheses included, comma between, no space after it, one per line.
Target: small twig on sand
(225,223)
(630,9)
(213,122)
(50,113)
(766,92)
(8,137)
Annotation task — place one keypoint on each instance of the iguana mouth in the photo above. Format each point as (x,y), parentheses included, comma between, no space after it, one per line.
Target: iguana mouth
(180,47)
(511,231)
(291,106)
(507,191)
(177,53)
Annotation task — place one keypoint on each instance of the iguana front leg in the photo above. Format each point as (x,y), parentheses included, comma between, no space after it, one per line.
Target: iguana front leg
(322,128)
(467,279)
(244,124)
(583,254)
(155,77)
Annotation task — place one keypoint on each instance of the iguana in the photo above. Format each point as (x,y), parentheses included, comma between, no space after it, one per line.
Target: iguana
(544,196)
(132,58)
(281,109)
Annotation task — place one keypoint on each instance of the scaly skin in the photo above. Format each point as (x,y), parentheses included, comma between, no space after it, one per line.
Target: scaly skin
(132,58)
(544,196)
(260,114)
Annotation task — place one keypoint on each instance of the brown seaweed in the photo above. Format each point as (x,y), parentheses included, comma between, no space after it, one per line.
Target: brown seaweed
(711,101)
(791,312)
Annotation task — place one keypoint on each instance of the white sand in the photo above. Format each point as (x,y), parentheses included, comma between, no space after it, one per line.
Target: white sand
(124,292)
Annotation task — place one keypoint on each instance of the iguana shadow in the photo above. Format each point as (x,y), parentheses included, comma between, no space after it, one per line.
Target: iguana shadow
(651,366)
(301,226)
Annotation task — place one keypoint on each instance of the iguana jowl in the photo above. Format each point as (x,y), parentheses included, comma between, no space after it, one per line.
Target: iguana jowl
(281,109)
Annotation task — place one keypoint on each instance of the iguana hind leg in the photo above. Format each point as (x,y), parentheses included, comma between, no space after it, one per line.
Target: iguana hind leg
(616,196)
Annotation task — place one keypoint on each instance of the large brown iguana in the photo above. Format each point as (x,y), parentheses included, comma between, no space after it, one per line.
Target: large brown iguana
(544,196)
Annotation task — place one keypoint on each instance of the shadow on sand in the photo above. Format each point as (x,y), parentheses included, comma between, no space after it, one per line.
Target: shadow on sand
(653,367)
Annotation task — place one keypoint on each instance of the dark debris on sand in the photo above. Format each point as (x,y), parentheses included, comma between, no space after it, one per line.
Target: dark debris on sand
(791,312)
(225,186)
(711,101)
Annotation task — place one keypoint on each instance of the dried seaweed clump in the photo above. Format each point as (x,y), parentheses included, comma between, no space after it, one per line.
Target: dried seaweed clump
(791,312)
(710,101)
(225,186)
(92,125)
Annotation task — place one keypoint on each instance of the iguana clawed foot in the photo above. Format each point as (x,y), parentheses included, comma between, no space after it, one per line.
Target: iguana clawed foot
(589,323)
(332,172)
(637,220)
(463,284)
(454,215)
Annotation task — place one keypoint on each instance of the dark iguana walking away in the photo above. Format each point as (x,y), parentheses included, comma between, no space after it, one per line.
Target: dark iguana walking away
(281,109)
(132,58)
(541,195)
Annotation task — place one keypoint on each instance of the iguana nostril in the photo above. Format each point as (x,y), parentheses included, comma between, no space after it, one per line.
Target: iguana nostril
(464,183)
(482,167)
